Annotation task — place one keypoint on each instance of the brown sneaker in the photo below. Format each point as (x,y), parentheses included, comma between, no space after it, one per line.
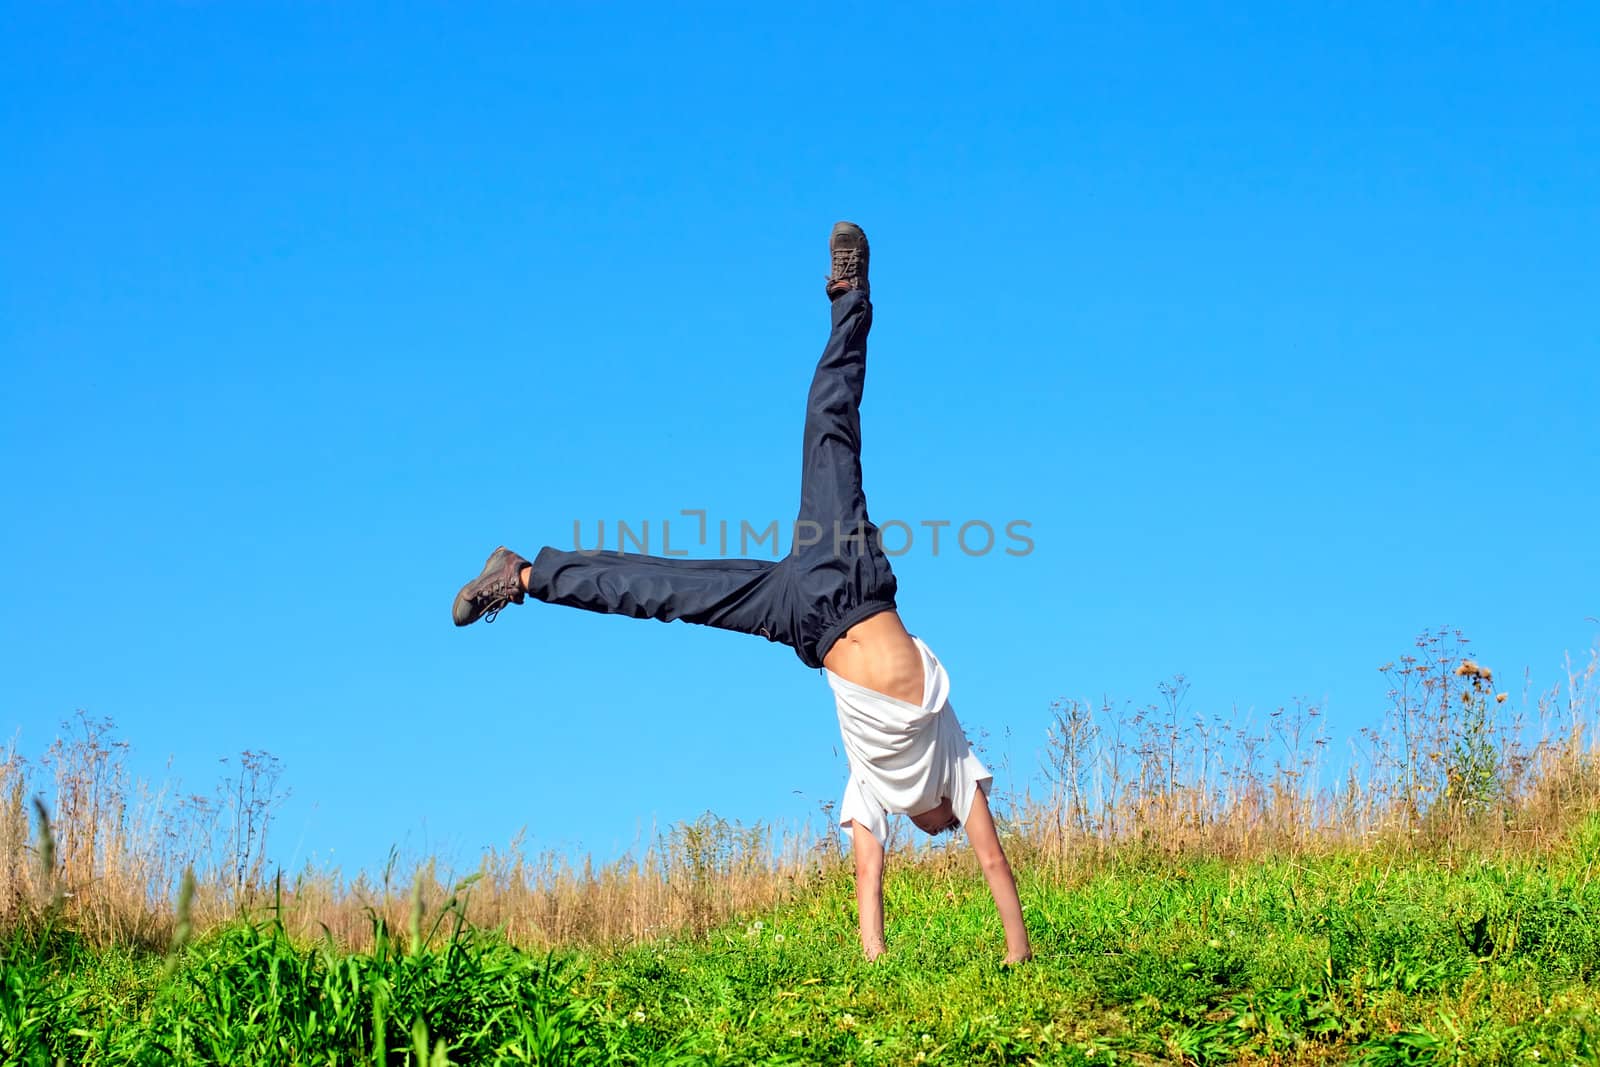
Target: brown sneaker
(498,585)
(850,254)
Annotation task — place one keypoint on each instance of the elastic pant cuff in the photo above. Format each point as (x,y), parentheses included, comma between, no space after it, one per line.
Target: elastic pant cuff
(836,630)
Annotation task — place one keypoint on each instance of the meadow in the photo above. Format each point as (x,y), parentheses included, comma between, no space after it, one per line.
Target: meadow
(1196,893)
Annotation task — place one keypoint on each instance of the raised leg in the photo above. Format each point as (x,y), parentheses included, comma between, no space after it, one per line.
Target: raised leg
(838,572)
(744,595)
(830,471)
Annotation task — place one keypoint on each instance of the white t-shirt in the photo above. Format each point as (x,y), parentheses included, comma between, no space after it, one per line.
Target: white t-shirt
(904,758)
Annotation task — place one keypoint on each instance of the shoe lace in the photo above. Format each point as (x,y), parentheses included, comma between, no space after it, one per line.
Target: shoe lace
(845,263)
(497,597)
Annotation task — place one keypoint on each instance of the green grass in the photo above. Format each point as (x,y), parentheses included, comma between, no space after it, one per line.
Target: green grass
(1404,959)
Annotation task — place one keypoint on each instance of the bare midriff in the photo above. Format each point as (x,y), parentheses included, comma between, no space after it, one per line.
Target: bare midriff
(877,653)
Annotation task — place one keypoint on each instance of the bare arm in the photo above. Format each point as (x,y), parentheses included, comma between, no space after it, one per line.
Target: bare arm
(997,872)
(869,889)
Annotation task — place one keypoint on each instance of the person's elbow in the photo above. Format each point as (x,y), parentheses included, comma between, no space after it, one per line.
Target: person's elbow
(993,862)
(869,854)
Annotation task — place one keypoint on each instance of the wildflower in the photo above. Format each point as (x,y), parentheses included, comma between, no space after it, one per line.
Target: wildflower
(847,1021)
(777,939)
(638,1015)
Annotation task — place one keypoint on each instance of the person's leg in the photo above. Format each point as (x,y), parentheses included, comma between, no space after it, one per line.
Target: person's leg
(830,472)
(744,595)
(839,574)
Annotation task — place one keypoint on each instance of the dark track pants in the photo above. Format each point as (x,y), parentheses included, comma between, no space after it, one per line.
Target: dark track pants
(836,573)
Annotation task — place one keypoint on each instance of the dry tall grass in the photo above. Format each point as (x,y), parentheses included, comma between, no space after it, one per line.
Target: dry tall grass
(1454,762)
(111,855)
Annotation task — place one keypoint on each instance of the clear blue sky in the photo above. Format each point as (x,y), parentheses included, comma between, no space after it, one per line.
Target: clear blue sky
(1278,326)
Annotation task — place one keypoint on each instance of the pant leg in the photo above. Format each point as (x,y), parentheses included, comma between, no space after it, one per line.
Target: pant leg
(839,574)
(830,472)
(744,595)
